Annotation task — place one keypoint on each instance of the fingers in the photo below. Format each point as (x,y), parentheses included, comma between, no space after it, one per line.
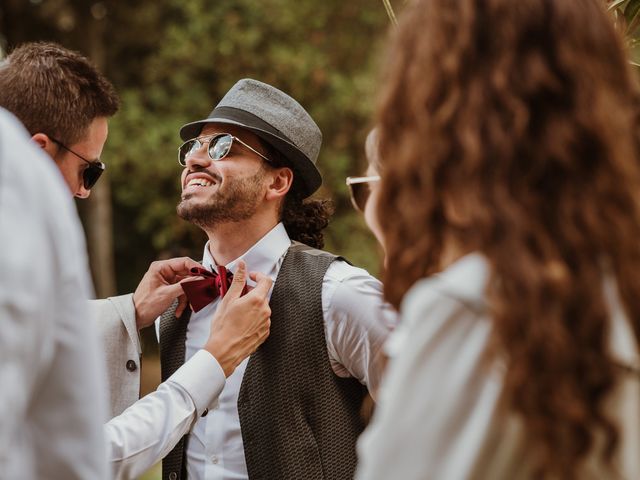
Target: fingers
(267,329)
(182,305)
(174,267)
(261,336)
(263,284)
(239,281)
(169,292)
(190,279)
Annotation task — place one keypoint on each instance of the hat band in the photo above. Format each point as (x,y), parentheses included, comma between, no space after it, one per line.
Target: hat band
(247,119)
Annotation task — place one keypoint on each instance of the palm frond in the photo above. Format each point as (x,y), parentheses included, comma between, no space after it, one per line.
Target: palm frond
(389,9)
(615,4)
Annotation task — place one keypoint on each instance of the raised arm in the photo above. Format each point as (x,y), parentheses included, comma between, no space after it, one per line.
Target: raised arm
(150,428)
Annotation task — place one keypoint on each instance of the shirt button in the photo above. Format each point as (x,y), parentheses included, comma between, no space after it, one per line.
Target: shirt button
(132,367)
(173,476)
(204,414)
(214,459)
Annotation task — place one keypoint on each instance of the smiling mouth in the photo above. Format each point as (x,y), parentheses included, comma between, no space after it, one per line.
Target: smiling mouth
(200,182)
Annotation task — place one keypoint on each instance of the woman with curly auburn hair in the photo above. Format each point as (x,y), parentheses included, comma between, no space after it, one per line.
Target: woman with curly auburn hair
(510,212)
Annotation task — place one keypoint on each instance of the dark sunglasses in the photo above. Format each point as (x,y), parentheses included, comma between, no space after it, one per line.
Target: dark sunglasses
(219,147)
(360,189)
(91,174)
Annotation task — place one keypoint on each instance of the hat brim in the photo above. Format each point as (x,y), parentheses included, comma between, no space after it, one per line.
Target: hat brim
(305,172)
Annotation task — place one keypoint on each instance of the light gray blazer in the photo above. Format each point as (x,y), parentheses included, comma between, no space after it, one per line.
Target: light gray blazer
(116,322)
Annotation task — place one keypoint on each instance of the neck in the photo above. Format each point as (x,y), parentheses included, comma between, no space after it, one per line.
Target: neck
(451,252)
(229,241)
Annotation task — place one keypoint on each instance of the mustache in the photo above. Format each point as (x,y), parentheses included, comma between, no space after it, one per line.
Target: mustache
(214,176)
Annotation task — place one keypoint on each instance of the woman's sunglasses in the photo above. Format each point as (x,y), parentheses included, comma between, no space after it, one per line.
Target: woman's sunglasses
(219,147)
(91,174)
(360,190)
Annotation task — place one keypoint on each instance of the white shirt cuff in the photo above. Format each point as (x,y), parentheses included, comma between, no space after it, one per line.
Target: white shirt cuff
(202,378)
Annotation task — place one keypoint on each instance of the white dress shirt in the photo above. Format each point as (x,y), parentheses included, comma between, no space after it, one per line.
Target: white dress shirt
(440,414)
(357,323)
(52,397)
(149,429)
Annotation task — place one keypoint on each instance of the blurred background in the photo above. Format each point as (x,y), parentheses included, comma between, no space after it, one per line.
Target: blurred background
(171,61)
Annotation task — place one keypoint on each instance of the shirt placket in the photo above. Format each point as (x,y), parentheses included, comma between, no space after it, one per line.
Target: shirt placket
(214,465)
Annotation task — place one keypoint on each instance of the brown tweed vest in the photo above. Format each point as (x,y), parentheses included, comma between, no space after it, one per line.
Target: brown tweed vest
(299,420)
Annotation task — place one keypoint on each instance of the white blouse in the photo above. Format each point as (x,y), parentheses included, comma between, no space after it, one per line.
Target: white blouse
(440,414)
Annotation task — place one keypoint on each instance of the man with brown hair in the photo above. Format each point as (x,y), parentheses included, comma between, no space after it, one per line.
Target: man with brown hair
(65,104)
(292,410)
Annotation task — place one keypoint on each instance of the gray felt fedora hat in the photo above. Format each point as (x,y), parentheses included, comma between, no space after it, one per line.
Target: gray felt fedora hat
(277,119)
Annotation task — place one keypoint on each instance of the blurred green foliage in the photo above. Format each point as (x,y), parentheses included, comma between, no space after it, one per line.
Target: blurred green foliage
(321,53)
(172,60)
(627,17)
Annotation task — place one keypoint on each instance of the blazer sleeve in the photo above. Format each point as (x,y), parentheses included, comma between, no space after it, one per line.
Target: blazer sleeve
(116,324)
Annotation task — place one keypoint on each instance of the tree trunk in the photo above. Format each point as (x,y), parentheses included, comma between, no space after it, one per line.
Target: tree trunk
(98,218)
(86,34)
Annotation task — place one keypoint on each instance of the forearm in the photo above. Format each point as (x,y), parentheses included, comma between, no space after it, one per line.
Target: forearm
(150,428)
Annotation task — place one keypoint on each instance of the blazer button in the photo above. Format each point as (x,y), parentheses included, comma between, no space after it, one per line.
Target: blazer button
(204,414)
(173,476)
(131,366)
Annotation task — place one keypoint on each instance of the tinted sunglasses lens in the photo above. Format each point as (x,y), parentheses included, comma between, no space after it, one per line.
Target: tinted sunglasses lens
(188,148)
(219,146)
(359,195)
(91,175)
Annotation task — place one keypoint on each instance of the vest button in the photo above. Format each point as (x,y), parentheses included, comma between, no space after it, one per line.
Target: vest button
(173,476)
(132,367)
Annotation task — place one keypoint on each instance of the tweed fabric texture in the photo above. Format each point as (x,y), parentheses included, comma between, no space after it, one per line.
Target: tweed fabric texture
(173,333)
(298,419)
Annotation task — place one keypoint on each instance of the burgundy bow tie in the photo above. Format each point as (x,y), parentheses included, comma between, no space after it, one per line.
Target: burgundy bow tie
(201,293)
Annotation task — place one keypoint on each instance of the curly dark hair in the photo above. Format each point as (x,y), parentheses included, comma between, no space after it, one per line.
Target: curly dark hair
(511,128)
(304,219)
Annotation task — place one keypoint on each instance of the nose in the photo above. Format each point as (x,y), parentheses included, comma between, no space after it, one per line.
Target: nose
(199,158)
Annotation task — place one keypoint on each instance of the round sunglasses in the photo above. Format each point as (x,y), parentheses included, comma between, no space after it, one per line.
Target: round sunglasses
(360,190)
(91,174)
(219,147)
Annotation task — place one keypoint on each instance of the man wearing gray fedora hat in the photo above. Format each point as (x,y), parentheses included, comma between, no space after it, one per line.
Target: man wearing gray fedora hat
(290,411)
(71,127)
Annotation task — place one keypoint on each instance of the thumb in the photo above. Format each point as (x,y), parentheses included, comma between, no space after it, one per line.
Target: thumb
(263,285)
(239,281)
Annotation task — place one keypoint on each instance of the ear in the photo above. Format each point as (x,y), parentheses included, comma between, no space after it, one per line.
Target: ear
(281,181)
(44,142)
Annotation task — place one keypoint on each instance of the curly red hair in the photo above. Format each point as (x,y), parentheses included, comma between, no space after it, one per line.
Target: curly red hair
(511,128)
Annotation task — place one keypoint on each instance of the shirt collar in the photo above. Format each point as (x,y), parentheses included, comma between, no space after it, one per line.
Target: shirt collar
(465,279)
(263,256)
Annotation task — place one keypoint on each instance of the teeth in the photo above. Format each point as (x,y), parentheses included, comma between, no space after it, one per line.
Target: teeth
(202,182)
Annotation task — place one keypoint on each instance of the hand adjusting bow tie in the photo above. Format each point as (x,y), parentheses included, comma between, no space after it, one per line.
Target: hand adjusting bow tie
(201,293)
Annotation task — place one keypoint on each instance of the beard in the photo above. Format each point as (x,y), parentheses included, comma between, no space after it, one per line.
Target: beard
(239,200)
